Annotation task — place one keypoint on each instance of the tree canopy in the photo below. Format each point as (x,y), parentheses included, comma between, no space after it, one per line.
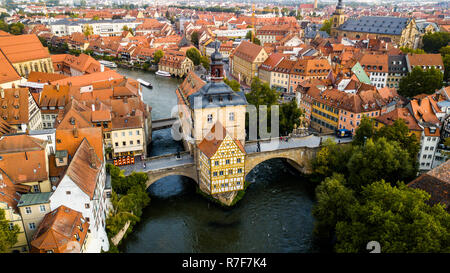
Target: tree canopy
(234,84)
(194,55)
(433,42)
(420,81)
(157,56)
(195,38)
(249,37)
(327,26)
(397,217)
(8,237)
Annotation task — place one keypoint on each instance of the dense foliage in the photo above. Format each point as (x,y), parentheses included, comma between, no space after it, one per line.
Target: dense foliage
(362,196)
(249,37)
(420,81)
(194,55)
(195,38)
(8,237)
(157,56)
(327,26)
(129,198)
(234,84)
(433,42)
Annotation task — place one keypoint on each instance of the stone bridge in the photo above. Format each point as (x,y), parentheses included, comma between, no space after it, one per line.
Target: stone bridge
(186,169)
(160,124)
(298,157)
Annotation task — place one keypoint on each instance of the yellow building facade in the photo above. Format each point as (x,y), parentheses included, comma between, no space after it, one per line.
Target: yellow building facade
(222,165)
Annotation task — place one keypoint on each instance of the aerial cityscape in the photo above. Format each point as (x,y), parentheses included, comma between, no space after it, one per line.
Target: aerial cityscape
(224,126)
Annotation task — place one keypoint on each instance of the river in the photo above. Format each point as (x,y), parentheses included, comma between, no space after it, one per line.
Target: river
(274,215)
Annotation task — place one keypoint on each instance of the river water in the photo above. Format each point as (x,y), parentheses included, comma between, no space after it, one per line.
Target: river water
(274,215)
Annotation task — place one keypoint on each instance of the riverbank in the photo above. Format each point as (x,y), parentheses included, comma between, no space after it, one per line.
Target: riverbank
(129,197)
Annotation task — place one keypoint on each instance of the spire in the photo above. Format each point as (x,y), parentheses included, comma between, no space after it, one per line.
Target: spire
(339,5)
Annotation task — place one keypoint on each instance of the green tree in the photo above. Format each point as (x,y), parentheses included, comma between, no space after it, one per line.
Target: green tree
(194,55)
(249,37)
(126,28)
(157,56)
(414,51)
(8,237)
(327,26)
(88,30)
(397,217)
(331,158)
(290,115)
(333,203)
(399,132)
(433,42)
(445,51)
(420,81)
(234,84)
(205,62)
(379,159)
(446,61)
(364,131)
(195,38)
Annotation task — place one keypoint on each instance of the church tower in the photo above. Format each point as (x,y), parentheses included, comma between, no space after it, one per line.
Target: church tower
(338,18)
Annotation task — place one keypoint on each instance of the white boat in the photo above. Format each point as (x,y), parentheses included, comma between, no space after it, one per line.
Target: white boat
(162,73)
(108,64)
(144,83)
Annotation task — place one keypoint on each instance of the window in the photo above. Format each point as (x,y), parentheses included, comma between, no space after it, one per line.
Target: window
(221,173)
(238,160)
(42,208)
(36,188)
(138,142)
(216,163)
(231,116)
(11,226)
(86,206)
(68,192)
(123,133)
(32,226)
(131,142)
(137,132)
(124,143)
(210,118)
(239,170)
(227,161)
(27,210)
(116,144)
(214,173)
(130,133)
(230,171)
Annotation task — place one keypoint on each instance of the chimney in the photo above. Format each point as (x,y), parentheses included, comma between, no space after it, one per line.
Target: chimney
(93,107)
(2,93)
(75,132)
(57,86)
(102,68)
(92,161)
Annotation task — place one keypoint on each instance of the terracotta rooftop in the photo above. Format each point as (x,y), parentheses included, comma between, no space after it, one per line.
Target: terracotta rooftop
(21,48)
(70,139)
(14,105)
(57,229)
(400,113)
(247,51)
(84,168)
(426,60)
(7,72)
(43,77)
(214,139)
(437,183)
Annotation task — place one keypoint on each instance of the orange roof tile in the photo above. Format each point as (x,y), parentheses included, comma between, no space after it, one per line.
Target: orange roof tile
(58,228)
(21,48)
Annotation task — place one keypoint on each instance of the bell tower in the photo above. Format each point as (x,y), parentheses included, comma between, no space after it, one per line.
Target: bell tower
(338,18)
(216,65)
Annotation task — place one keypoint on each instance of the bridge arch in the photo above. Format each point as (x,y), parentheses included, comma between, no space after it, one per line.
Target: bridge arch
(188,170)
(299,158)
